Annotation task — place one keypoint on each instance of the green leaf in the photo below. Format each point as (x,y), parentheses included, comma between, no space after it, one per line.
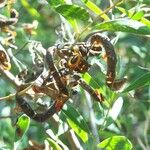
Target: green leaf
(124,25)
(143,80)
(81,133)
(55,3)
(93,83)
(95,9)
(146,2)
(54,140)
(138,15)
(53,144)
(116,108)
(33,12)
(145,21)
(75,117)
(114,112)
(22,125)
(87,77)
(116,143)
(71,12)
(129,13)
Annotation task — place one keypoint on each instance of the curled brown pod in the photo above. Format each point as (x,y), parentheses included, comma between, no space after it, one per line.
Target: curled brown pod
(97,41)
(4,60)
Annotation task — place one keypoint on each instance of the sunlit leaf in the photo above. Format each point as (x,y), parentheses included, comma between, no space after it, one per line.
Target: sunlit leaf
(116,143)
(114,112)
(116,108)
(74,14)
(138,15)
(81,133)
(87,77)
(55,141)
(95,9)
(75,117)
(93,83)
(129,13)
(33,12)
(22,125)
(107,133)
(145,21)
(142,81)
(53,144)
(124,25)
(55,3)
(71,12)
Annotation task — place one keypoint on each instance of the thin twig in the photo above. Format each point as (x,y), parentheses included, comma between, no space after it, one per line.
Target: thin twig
(28,86)
(146,127)
(19,93)
(141,143)
(8,97)
(25,44)
(4,117)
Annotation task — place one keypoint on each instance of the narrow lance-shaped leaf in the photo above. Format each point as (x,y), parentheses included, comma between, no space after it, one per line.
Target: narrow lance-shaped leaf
(71,12)
(129,13)
(92,82)
(33,12)
(140,82)
(137,16)
(116,143)
(53,144)
(81,133)
(123,25)
(54,140)
(145,21)
(75,117)
(95,9)
(74,14)
(55,3)
(87,77)
(114,112)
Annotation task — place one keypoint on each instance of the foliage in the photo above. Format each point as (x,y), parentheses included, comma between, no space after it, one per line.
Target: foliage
(122,120)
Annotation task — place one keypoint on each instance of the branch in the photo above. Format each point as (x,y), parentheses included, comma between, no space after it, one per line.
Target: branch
(5,117)
(8,97)
(28,86)
(10,77)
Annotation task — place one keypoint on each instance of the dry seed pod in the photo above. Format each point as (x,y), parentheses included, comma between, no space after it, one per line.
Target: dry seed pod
(2,3)
(14,13)
(7,21)
(4,59)
(97,40)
